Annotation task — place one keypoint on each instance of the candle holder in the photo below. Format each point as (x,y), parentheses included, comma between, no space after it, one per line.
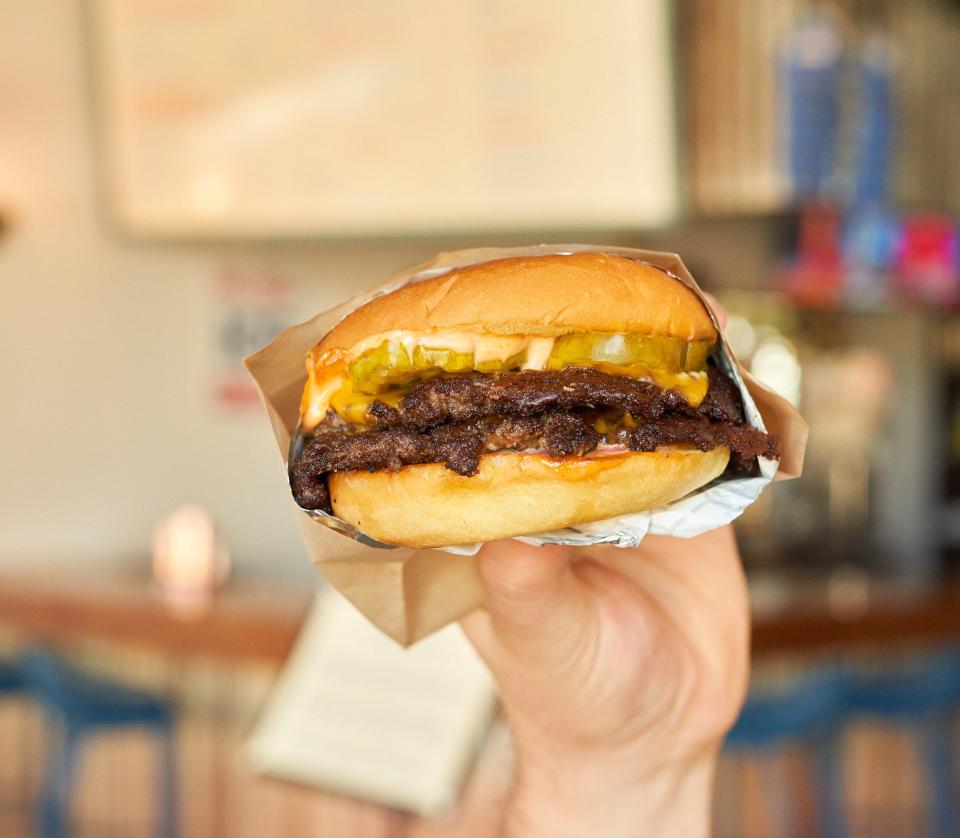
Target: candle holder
(189,559)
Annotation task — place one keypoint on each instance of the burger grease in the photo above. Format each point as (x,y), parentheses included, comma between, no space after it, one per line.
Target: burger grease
(517,396)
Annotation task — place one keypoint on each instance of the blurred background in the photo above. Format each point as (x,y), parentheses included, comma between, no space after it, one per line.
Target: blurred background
(181,180)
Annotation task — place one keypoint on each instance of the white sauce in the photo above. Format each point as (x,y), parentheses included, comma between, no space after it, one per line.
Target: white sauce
(484,348)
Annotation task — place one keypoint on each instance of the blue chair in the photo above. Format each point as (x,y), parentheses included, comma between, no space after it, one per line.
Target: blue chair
(810,713)
(11,683)
(10,678)
(924,697)
(80,706)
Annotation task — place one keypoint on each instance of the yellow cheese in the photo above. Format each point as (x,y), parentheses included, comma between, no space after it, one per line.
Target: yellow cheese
(691,385)
(317,395)
(353,406)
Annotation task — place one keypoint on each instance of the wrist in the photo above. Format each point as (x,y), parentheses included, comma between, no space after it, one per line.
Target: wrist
(590,796)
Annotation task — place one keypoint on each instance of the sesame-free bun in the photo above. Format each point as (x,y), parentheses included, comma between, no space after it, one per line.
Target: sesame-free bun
(515,494)
(535,295)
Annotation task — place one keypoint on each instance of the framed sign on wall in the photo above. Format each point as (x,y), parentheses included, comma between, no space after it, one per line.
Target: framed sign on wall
(316,118)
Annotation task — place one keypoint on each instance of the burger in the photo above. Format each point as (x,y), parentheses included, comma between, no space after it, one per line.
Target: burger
(517,396)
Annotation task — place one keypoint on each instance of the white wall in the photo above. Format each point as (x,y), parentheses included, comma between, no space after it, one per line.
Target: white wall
(105,416)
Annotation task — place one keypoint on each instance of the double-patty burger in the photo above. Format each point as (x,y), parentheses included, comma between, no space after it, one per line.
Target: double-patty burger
(517,396)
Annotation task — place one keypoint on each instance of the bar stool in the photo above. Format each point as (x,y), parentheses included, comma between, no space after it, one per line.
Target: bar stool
(923,697)
(10,680)
(81,706)
(809,713)
(11,683)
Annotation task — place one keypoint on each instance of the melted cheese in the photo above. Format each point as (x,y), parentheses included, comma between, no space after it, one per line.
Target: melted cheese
(691,385)
(318,395)
(329,385)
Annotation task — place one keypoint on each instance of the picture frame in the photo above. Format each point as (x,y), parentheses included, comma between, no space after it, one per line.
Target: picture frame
(233,119)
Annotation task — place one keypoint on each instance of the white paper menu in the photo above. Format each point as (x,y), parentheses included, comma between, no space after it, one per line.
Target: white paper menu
(354,713)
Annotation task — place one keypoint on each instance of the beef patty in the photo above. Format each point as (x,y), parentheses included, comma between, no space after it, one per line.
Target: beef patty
(456,419)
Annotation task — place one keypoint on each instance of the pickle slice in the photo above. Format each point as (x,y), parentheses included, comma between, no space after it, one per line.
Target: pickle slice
(379,366)
(514,362)
(389,364)
(656,352)
(697,353)
(428,357)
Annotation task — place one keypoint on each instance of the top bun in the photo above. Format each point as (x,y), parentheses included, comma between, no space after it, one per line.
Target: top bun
(536,295)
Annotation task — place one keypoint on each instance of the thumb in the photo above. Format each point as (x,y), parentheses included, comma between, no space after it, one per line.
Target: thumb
(536,603)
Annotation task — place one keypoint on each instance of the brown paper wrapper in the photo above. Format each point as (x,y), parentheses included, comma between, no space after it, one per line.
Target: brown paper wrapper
(410,594)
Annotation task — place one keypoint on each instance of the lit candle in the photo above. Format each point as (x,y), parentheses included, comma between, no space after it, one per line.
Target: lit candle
(189,559)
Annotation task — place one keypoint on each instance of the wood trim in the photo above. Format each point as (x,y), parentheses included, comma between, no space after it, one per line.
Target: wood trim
(929,618)
(261,624)
(237,624)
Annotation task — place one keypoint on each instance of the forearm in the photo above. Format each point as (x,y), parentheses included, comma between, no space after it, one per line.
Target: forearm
(556,801)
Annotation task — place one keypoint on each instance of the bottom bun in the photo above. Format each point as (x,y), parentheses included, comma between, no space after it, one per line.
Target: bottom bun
(515,494)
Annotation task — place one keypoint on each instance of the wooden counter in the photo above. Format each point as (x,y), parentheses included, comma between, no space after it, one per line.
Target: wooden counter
(239,623)
(891,616)
(261,623)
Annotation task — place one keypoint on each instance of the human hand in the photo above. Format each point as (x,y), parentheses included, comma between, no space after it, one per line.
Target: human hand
(619,672)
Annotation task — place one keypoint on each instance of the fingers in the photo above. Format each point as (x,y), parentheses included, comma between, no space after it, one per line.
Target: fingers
(710,561)
(718,310)
(536,605)
(521,579)
(700,582)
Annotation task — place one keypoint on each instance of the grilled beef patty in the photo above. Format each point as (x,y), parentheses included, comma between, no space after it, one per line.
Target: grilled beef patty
(454,420)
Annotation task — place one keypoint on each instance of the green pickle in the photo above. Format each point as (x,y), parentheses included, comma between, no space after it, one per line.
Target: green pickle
(656,352)
(380,366)
(390,365)
(514,362)
(428,357)
(697,353)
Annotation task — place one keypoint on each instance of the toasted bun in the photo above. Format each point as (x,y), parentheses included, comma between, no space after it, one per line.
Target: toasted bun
(515,494)
(536,295)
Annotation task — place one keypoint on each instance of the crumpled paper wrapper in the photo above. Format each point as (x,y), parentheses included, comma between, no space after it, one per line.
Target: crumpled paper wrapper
(409,594)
